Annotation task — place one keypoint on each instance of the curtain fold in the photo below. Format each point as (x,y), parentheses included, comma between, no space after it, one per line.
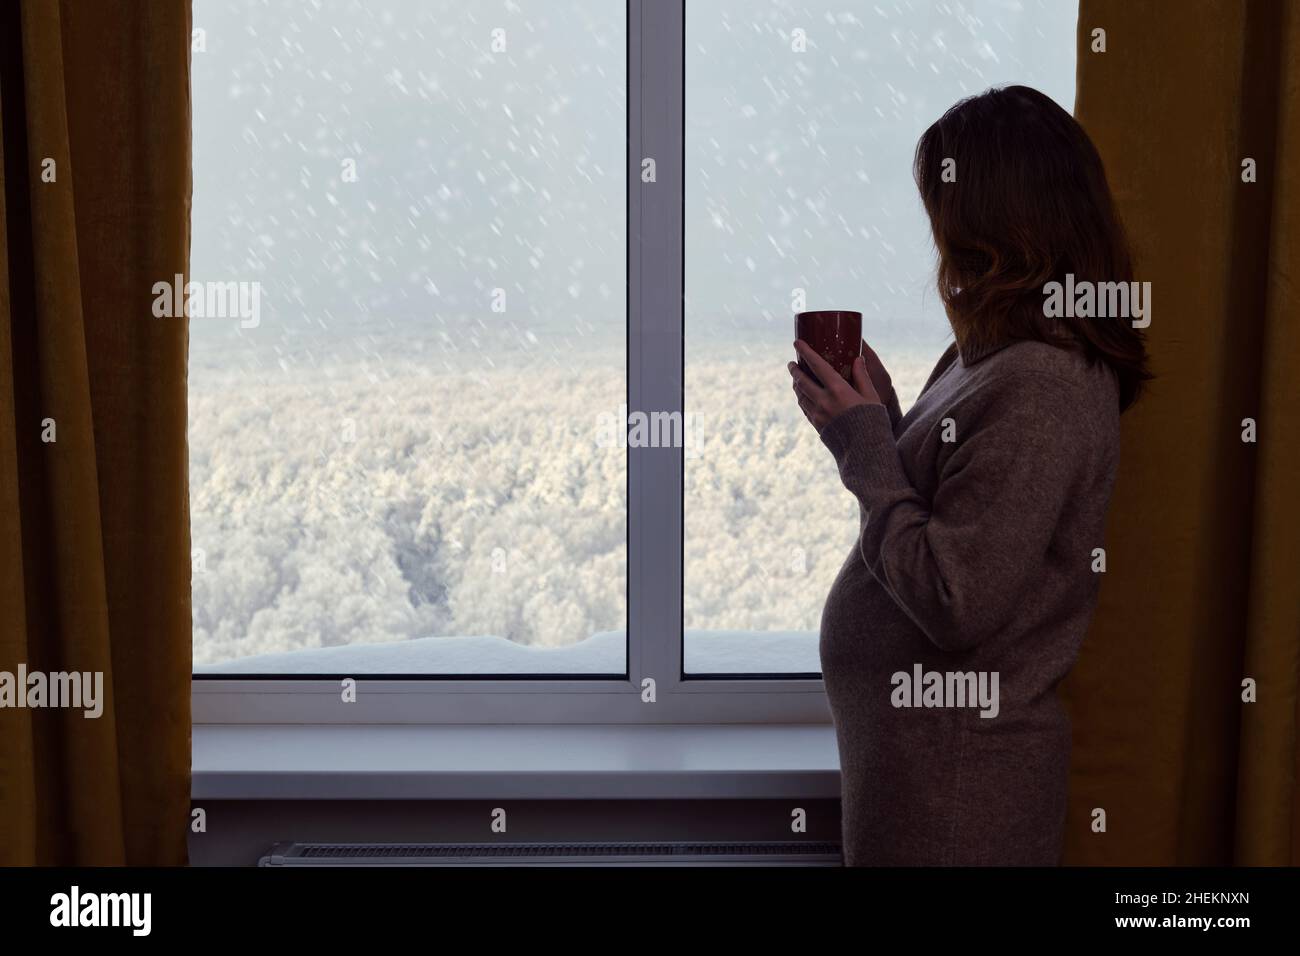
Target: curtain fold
(1196,112)
(94,522)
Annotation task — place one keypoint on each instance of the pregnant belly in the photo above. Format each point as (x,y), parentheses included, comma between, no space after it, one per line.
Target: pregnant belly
(940,785)
(862,629)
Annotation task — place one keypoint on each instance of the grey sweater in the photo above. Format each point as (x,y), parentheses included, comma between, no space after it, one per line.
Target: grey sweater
(980,512)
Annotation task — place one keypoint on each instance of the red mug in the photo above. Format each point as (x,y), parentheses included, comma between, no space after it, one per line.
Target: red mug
(835,335)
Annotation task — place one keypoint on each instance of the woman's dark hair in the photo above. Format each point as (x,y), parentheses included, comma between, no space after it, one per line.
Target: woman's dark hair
(1027,203)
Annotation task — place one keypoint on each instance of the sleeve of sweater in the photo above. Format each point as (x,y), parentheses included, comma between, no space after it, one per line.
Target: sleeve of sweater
(958,565)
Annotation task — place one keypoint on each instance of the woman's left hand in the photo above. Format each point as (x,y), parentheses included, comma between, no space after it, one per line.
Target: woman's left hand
(821,403)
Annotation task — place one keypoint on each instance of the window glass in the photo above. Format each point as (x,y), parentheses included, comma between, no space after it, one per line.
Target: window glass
(801,121)
(419,207)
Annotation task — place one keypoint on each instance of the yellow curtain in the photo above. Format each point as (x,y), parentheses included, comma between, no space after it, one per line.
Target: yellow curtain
(94,520)
(1195,107)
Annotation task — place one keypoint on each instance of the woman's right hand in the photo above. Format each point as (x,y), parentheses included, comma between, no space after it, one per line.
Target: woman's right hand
(877,373)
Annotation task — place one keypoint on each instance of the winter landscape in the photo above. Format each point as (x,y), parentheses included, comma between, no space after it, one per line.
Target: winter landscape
(403,453)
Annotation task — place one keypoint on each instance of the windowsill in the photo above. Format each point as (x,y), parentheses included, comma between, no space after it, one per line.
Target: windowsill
(521,762)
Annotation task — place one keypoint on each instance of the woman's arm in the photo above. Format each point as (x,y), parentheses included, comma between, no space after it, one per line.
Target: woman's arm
(959,564)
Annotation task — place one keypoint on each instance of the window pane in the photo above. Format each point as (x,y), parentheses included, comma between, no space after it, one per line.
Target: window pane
(801,119)
(395,459)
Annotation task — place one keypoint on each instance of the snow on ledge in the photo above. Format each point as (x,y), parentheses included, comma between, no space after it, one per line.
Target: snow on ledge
(707,652)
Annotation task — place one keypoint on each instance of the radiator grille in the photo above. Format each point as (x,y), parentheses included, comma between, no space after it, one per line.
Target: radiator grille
(556,854)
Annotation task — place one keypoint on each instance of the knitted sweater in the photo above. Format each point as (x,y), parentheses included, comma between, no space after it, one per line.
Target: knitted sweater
(974,569)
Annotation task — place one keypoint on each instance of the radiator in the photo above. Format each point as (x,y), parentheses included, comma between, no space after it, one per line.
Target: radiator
(553,854)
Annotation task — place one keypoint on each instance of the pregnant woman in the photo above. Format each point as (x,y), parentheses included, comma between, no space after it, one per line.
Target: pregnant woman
(968,592)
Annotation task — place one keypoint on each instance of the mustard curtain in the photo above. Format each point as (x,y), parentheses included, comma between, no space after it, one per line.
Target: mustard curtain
(94,523)
(1188,103)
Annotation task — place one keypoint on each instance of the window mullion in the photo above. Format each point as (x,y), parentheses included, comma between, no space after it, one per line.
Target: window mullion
(655,172)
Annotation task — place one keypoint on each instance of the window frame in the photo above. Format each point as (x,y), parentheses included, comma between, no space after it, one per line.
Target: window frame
(656,42)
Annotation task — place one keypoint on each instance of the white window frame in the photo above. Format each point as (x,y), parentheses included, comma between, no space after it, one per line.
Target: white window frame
(655,128)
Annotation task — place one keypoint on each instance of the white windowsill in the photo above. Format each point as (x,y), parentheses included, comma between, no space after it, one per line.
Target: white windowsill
(521,762)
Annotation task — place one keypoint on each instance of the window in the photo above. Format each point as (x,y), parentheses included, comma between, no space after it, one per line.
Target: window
(464,239)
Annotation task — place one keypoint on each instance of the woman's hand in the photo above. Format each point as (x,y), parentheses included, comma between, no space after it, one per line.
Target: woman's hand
(821,404)
(877,373)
